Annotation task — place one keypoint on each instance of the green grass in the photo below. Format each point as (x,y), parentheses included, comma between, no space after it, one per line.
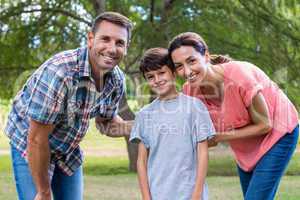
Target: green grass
(107,176)
(125,186)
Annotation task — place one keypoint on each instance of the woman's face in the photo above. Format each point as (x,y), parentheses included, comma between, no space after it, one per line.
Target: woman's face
(190,64)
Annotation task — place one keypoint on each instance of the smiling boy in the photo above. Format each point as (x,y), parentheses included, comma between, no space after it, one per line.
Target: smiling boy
(172,133)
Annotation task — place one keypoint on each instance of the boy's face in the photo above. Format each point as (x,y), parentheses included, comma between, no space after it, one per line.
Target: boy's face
(161,81)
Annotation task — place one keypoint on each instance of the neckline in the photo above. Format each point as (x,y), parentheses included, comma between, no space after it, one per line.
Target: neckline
(169,100)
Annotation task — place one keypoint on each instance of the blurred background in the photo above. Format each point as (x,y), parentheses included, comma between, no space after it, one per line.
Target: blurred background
(264,32)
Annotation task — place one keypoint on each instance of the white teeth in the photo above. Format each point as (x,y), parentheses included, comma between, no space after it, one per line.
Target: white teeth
(191,78)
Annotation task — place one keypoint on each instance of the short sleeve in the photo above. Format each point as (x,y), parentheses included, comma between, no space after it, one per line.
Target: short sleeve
(138,132)
(203,128)
(247,77)
(48,92)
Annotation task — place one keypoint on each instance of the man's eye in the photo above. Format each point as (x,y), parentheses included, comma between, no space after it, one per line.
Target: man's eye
(121,44)
(105,39)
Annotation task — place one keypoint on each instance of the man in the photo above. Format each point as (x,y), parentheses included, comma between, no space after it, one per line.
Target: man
(50,115)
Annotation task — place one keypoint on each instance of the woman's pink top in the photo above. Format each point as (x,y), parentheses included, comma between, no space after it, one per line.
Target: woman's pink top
(242,81)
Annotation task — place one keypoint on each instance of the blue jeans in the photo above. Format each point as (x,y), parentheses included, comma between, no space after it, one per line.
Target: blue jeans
(63,187)
(262,182)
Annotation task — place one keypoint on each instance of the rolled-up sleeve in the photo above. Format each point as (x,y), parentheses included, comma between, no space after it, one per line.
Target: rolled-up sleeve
(138,132)
(47,96)
(203,127)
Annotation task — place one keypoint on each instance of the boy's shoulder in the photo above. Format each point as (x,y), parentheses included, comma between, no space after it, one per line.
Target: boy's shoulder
(149,108)
(192,101)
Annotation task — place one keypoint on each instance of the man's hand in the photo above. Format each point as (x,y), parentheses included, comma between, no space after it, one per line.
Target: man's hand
(117,127)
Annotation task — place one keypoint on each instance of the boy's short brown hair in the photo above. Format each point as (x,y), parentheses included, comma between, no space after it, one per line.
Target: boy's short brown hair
(154,59)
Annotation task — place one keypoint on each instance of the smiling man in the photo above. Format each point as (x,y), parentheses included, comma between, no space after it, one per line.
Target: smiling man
(51,114)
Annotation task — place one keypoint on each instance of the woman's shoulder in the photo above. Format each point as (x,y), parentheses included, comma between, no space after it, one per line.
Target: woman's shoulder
(240,70)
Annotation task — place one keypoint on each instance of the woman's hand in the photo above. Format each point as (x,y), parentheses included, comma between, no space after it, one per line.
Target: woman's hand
(212,142)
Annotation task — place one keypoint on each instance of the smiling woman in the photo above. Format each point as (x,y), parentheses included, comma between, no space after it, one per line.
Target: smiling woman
(248,110)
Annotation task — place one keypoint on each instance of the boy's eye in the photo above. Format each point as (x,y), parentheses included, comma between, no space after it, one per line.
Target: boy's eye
(149,77)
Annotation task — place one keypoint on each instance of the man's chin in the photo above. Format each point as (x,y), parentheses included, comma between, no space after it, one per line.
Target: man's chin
(106,67)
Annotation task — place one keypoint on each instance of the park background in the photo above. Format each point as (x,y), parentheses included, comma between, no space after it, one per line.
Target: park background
(264,32)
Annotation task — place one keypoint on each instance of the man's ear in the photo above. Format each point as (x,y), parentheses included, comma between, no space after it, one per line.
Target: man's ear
(90,39)
(127,46)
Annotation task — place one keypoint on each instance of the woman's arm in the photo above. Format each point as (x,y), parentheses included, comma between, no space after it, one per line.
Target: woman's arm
(261,123)
(202,159)
(142,171)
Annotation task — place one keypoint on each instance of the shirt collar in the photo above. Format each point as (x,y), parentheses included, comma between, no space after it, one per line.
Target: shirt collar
(85,70)
(84,64)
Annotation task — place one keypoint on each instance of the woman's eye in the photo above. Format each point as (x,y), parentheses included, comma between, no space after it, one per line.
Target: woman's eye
(179,67)
(192,61)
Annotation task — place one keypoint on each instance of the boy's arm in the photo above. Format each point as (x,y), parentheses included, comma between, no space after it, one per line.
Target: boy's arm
(142,171)
(202,162)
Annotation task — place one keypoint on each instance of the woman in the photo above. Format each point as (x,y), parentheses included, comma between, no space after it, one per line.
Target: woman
(248,110)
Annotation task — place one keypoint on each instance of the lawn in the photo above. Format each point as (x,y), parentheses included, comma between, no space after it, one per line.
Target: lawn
(108,179)
(107,176)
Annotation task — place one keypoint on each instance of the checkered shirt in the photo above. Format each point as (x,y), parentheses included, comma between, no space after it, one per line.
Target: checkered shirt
(62,92)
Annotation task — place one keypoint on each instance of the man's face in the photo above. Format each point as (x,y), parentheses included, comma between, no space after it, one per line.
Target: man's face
(107,46)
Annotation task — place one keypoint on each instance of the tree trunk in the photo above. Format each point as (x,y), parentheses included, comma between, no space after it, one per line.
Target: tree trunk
(99,6)
(126,113)
(124,110)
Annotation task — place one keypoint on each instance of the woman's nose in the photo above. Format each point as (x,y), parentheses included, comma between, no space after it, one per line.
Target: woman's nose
(187,71)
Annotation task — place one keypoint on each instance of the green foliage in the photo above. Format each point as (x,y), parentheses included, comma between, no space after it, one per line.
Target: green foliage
(265,33)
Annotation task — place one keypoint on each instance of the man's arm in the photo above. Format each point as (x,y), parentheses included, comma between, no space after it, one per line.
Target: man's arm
(202,158)
(116,127)
(38,152)
(142,171)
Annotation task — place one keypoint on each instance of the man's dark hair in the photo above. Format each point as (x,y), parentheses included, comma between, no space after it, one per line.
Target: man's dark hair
(115,18)
(154,59)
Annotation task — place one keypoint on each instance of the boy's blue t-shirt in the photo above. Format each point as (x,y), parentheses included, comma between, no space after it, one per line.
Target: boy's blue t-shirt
(171,129)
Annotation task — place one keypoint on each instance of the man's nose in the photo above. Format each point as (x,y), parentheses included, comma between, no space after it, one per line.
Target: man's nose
(112,48)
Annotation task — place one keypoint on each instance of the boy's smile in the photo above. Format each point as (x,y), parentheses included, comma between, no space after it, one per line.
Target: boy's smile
(162,82)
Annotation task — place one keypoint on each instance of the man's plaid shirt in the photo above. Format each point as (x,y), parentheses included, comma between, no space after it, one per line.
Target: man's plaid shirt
(62,92)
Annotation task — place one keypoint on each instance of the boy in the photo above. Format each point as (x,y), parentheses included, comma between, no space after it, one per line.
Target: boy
(172,133)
